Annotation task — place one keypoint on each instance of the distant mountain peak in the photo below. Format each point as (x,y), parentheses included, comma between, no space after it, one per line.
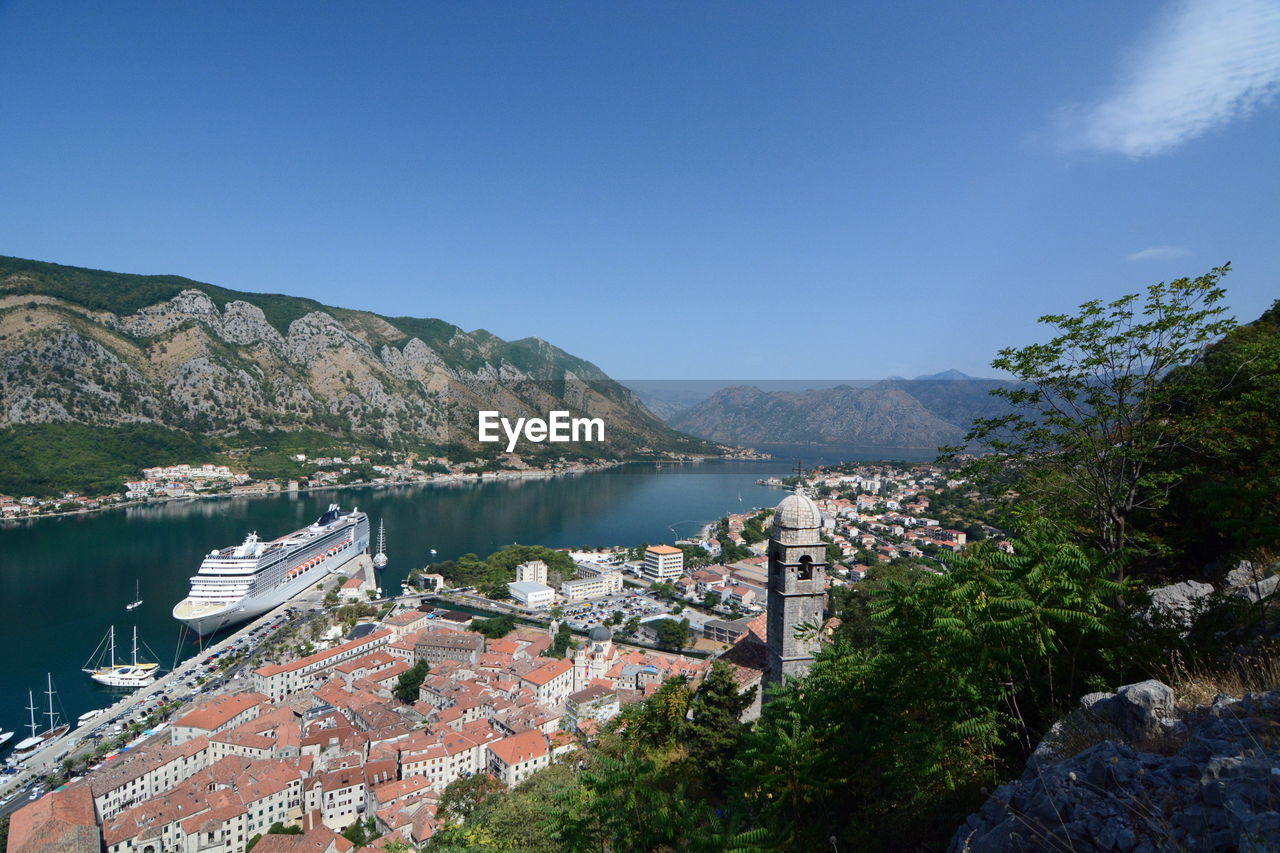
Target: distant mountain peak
(949,374)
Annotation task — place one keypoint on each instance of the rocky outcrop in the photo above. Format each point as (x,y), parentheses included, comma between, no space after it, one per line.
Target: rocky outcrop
(1252,581)
(1128,772)
(1182,602)
(89,347)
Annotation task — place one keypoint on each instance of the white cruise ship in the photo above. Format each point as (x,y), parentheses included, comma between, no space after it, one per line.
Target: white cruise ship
(241,582)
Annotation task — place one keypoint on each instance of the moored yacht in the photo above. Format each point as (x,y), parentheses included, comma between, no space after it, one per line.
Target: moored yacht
(38,739)
(135,674)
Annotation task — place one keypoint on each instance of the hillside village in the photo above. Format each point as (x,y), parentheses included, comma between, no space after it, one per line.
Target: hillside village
(327,744)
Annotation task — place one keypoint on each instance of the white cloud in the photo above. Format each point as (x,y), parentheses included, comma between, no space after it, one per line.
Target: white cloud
(1159,253)
(1205,63)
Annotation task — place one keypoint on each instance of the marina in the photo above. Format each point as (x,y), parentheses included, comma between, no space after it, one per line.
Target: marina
(64,581)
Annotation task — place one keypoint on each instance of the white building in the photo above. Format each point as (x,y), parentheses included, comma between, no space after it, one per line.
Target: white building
(532,594)
(607,583)
(663,562)
(534,571)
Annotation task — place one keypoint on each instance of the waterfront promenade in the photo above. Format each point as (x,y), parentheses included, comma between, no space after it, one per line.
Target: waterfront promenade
(129,708)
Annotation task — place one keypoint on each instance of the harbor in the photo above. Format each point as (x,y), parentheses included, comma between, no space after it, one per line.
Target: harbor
(176,686)
(64,582)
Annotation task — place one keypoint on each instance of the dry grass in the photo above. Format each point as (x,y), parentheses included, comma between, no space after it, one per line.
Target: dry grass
(1200,685)
(1079,731)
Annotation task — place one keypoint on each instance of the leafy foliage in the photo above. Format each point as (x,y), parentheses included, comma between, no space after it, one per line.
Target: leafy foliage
(1092,410)
(673,634)
(409,681)
(563,641)
(493,573)
(49,459)
(961,674)
(1229,498)
(496,627)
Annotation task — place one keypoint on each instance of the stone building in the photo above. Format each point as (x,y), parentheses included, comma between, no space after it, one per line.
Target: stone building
(797,586)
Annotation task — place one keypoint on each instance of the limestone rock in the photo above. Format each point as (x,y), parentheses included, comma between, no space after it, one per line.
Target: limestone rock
(1181,601)
(1212,788)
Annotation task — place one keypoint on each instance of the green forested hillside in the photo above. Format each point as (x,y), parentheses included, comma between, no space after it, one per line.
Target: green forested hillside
(49,459)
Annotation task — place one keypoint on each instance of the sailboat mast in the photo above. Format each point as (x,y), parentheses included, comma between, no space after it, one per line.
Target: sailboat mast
(31,706)
(135,645)
(50,692)
(112,632)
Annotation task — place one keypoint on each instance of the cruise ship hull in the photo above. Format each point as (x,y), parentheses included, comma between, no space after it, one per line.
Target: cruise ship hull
(209,617)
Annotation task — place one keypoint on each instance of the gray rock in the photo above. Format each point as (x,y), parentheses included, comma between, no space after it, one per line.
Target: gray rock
(1258,590)
(1214,793)
(1181,601)
(1143,708)
(1244,572)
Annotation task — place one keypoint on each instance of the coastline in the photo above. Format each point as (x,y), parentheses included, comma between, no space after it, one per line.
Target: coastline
(432,479)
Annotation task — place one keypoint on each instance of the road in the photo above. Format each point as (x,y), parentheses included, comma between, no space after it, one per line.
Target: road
(173,686)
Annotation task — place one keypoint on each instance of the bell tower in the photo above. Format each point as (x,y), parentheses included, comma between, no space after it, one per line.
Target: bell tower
(797,586)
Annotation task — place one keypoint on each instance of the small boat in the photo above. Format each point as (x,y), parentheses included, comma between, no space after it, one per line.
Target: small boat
(4,737)
(137,597)
(29,746)
(135,674)
(89,715)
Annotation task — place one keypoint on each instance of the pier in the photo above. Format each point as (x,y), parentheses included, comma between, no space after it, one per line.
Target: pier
(125,709)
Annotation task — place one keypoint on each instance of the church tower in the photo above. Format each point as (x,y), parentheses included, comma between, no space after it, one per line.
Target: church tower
(797,585)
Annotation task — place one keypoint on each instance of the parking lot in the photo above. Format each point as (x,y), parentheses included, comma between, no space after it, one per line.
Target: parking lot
(584,615)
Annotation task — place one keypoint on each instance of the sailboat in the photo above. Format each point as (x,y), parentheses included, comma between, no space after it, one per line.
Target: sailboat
(38,739)
(137,597)
(380,558)
(133,674)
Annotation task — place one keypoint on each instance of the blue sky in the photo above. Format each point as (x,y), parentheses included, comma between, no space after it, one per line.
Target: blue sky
(707,190)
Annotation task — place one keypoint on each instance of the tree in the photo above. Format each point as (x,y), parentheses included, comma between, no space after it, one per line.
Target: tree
(563,641)
(714,731)
(1230,503)
(711,600)
(361,832)
(695,556)
(1091,409)
(495,628)
(673,634)
(664,591)
(409,682)
(633,625)
(462,797)
(397,847)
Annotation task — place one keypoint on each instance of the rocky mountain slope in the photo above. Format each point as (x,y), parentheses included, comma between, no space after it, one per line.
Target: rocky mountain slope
(894,413)
(92,347)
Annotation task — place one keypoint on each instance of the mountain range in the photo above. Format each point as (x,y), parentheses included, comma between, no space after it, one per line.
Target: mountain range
(89,347)
(927,412)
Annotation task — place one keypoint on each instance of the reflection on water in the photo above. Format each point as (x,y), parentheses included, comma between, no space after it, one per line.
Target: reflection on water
(65,580)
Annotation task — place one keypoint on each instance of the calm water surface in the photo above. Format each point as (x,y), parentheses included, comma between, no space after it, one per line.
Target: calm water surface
(65,581)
